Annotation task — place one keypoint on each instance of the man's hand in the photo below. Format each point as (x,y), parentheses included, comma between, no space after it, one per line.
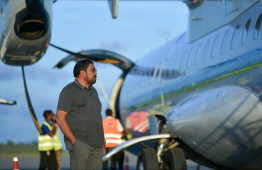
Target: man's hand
(53,125)
(104,150)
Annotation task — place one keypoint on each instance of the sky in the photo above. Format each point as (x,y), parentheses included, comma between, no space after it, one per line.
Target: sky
(141,26)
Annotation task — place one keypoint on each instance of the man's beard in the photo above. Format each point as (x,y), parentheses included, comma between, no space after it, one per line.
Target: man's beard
(91,81)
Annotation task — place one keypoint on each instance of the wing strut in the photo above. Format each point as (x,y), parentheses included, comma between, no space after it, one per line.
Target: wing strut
(31,109)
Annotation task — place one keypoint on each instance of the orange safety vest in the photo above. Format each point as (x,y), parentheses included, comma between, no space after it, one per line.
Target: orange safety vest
(112,135)
(139,121)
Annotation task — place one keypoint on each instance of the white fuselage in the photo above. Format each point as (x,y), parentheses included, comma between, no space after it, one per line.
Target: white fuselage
(208,89)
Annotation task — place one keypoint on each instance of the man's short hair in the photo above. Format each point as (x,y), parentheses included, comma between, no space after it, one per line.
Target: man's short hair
(81,65)
(46,113)
(109,112)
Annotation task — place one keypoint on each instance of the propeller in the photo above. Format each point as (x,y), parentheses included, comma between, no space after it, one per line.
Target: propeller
(102,56)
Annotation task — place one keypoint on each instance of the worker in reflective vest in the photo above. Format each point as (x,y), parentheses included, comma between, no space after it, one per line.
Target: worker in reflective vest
(57,145)
(113,131)
(46,143)
(137,124)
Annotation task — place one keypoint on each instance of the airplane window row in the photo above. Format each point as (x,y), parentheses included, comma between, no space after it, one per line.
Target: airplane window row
(200,54)
(213,48)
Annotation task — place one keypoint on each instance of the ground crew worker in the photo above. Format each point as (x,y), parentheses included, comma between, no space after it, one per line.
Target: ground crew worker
(137,124)
(57,146)
(113,131)
(46,143)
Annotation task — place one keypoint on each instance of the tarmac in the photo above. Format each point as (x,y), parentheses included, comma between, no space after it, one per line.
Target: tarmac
(32,163)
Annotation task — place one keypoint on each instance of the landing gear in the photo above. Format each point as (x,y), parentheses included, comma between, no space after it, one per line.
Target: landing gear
(174,159)
(147,159)
(165,156)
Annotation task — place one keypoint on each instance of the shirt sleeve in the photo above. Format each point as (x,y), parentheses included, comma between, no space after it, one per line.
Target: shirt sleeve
(45,130)
(65,100)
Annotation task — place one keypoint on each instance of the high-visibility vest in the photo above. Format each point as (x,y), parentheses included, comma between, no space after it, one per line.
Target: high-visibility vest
(45,142)
(139,121)
(57,141)
(112,135)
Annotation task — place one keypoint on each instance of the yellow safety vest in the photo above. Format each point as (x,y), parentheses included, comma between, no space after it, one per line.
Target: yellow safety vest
(57,141)
(45,142)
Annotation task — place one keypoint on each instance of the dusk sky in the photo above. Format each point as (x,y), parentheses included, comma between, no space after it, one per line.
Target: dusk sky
(141,26)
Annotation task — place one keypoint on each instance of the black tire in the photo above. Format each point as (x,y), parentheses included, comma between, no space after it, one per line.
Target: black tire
(147,160)
(174,159)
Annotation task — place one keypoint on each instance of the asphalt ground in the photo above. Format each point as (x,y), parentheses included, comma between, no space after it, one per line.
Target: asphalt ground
(32,163)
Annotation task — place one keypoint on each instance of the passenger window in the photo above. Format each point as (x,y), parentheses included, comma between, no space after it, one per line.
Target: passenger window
(224,42)
(177,63)
(245,32)
(234,38)
(257,27)
(184,61)
(156,72)
(171,66)
(215,47)
(160,72)
(191,58)
(198,54)
(206,51)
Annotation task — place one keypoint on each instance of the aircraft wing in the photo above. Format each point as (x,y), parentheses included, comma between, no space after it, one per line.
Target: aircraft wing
(103,56)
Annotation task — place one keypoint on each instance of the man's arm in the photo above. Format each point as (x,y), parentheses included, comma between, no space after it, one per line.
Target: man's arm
(47,131)
(61,121)
(53,124)
(52,132)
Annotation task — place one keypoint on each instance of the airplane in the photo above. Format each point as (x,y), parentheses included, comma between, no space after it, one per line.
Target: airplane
(200,92)
(25,32)
(26,29)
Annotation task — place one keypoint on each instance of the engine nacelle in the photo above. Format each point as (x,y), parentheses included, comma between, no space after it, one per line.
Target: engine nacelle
(26,31)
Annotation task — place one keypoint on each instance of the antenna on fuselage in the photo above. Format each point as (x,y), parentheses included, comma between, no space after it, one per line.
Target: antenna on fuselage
(113,5)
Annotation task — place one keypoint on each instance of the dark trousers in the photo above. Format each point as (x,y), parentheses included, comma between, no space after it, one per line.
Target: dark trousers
(83,156)
(117,158)
(48,160)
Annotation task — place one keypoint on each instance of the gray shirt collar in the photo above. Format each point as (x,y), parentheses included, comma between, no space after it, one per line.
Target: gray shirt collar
(80,85)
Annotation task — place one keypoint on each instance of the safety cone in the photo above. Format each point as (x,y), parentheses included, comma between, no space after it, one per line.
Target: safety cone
(127,162)
(15,163)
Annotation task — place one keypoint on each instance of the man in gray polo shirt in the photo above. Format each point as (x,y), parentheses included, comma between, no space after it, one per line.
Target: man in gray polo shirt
(79,118)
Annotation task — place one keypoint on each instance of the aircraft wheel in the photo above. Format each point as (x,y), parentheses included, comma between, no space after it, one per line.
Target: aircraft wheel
(174,159)
(147,159)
